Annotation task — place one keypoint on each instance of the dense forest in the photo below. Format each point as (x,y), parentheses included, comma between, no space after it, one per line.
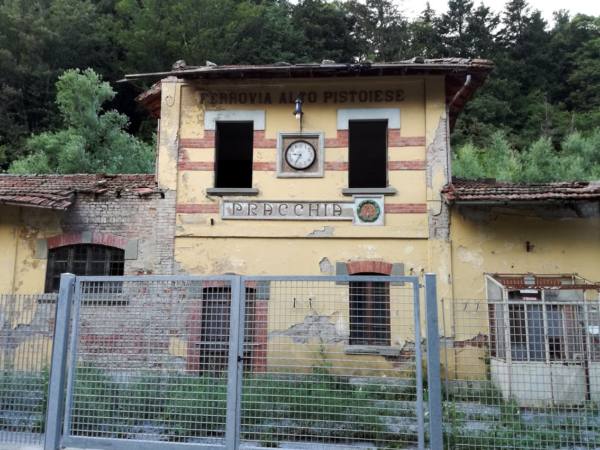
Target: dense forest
(537,118)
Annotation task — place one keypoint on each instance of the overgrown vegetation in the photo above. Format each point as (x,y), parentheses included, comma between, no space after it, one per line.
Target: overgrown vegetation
(23,399)
(177,407)
(315,406)
(578,158)
(91,140)
(546,84)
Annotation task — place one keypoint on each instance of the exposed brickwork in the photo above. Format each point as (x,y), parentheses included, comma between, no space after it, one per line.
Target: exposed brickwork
(260,338)
(380,267)
(405,208)
(193,328)
(116,218)
(108,239)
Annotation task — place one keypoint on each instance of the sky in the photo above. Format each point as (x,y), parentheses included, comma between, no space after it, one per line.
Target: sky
(547,7)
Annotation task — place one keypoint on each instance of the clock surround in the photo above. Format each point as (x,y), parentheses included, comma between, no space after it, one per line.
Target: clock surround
(302,164)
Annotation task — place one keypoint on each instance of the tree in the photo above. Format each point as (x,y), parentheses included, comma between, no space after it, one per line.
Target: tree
(453,27)
(326,31)
(425,39)
(380,29)
(92,140)
(577,159)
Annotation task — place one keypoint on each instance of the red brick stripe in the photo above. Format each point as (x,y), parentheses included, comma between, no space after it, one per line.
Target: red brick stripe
(200,208)
(395,140)
(336,165)
(405,208)
(380,267)
(340,141)
(406,165)
(263,166)
(196,165)
(260,141)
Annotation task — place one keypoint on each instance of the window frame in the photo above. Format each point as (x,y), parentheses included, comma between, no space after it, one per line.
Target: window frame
(371,328)
(70,261)
(552,326)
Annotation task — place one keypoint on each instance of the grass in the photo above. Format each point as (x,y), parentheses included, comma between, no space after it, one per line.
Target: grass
(509,430)
(23,399)
(178,407)
(317,406)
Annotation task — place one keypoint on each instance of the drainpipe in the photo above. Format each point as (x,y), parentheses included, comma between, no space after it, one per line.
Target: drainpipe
(461,90)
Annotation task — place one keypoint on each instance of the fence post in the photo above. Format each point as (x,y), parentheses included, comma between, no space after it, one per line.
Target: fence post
(433,365)
(56,386)
(236,352)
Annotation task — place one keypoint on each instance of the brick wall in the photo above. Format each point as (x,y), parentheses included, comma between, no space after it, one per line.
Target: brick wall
(149,219)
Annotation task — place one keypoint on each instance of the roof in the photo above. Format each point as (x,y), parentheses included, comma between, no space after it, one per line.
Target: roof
(324,69)
(491,191)
(58,191)
(456,71)
(569,281)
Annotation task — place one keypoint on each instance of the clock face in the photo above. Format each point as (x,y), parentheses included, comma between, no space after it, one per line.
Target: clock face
(300,155)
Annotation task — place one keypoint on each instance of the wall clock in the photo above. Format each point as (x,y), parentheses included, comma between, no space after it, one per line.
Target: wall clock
(300,155)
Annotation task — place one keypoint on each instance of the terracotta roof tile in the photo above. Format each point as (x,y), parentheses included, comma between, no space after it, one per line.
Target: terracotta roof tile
(58,191)
(465,191)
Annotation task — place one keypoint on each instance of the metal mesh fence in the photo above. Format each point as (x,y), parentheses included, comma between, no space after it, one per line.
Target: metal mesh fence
(521,374)
(26,331)
(324,363)
(329,365)
(150,360)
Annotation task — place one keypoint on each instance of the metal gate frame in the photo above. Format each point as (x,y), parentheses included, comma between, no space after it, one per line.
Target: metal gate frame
(61,383)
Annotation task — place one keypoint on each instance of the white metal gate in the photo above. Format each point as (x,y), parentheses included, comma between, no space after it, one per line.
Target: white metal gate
(228,362)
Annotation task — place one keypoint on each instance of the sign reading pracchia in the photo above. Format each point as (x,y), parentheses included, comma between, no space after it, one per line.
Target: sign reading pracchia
(276,210)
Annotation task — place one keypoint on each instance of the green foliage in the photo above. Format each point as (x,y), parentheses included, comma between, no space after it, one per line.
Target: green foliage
(92,140)
(23,400)
(546,83)
(577,159)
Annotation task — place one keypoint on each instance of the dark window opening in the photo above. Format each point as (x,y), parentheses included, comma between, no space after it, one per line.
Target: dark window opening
(83,259)
(369,312)
(233,161)
(367,142)
(214,326)
(213,345)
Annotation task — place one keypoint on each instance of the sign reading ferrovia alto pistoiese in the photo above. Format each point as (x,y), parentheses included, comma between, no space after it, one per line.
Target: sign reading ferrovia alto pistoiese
(287,210)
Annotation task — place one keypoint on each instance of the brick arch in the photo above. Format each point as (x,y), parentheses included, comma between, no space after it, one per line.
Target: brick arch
(86,237)
(378,267)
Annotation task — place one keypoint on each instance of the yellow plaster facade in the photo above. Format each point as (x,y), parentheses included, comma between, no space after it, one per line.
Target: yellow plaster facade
(420,230)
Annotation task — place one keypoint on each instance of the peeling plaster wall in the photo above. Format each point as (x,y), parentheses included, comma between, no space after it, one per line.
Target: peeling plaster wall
(150,221)
(206,244)
(493,240)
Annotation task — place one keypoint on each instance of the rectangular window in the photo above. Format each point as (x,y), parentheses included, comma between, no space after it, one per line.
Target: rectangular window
(367,143)
(369,313)
(233,160)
